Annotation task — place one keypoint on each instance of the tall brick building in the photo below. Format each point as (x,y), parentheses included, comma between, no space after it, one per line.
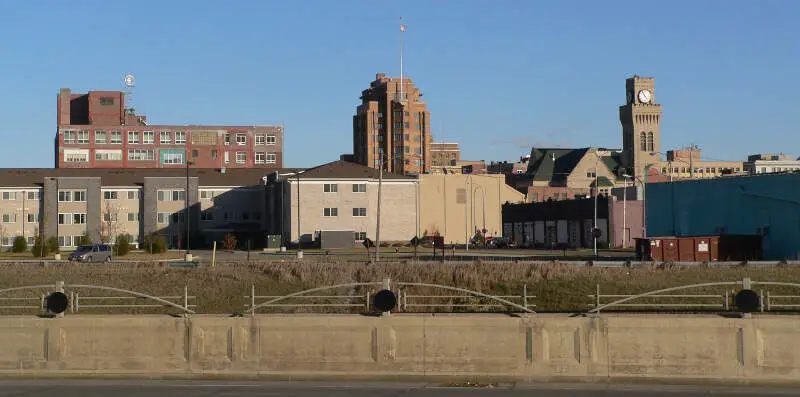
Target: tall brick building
(96,130)
(398,127)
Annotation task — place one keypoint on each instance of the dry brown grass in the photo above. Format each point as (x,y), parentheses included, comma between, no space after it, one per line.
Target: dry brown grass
(224,289)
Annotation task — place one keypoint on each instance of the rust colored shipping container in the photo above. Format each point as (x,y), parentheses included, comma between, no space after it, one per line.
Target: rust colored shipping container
(700,248)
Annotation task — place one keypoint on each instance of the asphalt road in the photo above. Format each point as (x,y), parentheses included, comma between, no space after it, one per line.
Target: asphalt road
(67,388)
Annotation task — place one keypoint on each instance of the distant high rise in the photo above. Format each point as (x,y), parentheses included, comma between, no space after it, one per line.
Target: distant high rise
(397,127)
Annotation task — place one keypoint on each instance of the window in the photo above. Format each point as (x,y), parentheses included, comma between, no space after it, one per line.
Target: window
(133,137)
(76,157)
(241,157)
(110,195)
(37,195)
(69,137)
(173,158)
(141,154)
(642,141)
(171,195)
(180,137)
(227,139)
(116,137)
(133,195)
(178,217)
(590,174)
(272,139)
(261,139)
(261,158)
(100,137)
(330,212)
(9,195)
(106,100)
(64,196)
(360,236)
(9,218)
(272,158)
(207,216)
(535,197)
(165,137)
(64,219)
(83,137)
(227,156)
(162,217)
(79,195)
(31,241)
(207,194)
(133,216)
(359,212)
(33,218)
(330,188)
(359,188)
(195,153)
(214,154)
(650,142)
(241,139)
(108,155)
(109,217)
(148,137)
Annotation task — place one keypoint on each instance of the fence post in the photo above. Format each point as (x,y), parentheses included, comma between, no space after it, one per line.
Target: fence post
(725,305)
(77,302)
(72,301)
(768,308)
(42,301)
(60,288)
(185,297)
(597,298)
(387,285)
(366,300)
(761,300)
(525,296)
(252,297)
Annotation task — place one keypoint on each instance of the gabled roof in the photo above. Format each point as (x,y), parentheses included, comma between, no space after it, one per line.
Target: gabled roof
(341,169)
(554,165)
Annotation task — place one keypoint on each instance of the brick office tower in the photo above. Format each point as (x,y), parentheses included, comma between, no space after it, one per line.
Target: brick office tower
(398,127)
(96,130)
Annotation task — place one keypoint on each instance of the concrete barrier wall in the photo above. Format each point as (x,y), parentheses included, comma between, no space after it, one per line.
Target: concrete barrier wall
(490,346)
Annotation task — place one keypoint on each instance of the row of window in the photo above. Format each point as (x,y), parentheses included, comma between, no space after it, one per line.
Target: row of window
(79,196)
(12,218)
(332,212)
(168,158)
(334,188)
(207,216)
(12,196)
(72,219)
(710,170)
(149,138)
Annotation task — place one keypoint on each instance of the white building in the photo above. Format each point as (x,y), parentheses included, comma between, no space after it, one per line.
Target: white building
(769,163)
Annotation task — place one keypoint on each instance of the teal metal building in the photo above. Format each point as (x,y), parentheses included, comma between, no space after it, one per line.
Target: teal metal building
(766,205)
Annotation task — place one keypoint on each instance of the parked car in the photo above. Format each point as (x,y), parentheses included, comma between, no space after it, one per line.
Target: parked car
(91,253)
(501,242)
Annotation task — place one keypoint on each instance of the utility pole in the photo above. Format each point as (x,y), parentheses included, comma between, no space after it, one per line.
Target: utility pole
(692,148)
(378,223)
(594,230)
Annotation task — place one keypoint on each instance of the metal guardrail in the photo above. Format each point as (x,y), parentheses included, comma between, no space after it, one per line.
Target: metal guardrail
(464,299)
(77,301)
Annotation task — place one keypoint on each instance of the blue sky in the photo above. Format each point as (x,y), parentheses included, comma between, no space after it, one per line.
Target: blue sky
(498,76)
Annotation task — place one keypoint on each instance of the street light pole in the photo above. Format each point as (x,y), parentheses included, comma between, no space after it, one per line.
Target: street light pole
(186,200)
(594,230)
(378,223)
(466,211)
(624,213)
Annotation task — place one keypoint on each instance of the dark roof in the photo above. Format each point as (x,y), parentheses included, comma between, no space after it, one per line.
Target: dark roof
(541,166)
(602,182)
(23,177)
(544,168)
(341,169)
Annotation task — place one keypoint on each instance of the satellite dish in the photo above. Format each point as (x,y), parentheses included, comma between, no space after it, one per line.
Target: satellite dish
(56,302)
(130,81)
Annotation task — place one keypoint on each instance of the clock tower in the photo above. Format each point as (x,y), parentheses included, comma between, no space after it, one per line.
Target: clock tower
(641,126)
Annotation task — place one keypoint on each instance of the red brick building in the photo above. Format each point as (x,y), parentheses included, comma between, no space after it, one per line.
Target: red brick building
(96,130)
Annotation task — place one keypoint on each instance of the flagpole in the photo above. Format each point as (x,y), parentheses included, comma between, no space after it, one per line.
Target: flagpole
(402,29)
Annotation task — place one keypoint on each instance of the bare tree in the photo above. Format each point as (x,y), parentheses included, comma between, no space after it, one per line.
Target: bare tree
(109,225)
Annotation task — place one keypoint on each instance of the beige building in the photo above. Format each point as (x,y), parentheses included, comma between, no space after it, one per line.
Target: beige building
(455,206)
(342,196)
(444,154)
(392,122)
(768,163)
(563,174)
(687,164)
(104,203)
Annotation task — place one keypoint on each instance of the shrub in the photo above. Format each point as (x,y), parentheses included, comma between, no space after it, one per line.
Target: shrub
(52,244)
(229,242)
(155,243)
(122,244)
(20,244)
(42,248)
(84,240)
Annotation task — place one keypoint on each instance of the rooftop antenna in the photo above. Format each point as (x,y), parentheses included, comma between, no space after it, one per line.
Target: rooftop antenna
(130,82)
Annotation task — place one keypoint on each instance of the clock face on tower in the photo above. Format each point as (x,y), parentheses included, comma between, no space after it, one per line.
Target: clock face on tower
(645,96)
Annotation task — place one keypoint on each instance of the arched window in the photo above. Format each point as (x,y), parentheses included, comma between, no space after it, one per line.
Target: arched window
(650,142)
(642,141)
